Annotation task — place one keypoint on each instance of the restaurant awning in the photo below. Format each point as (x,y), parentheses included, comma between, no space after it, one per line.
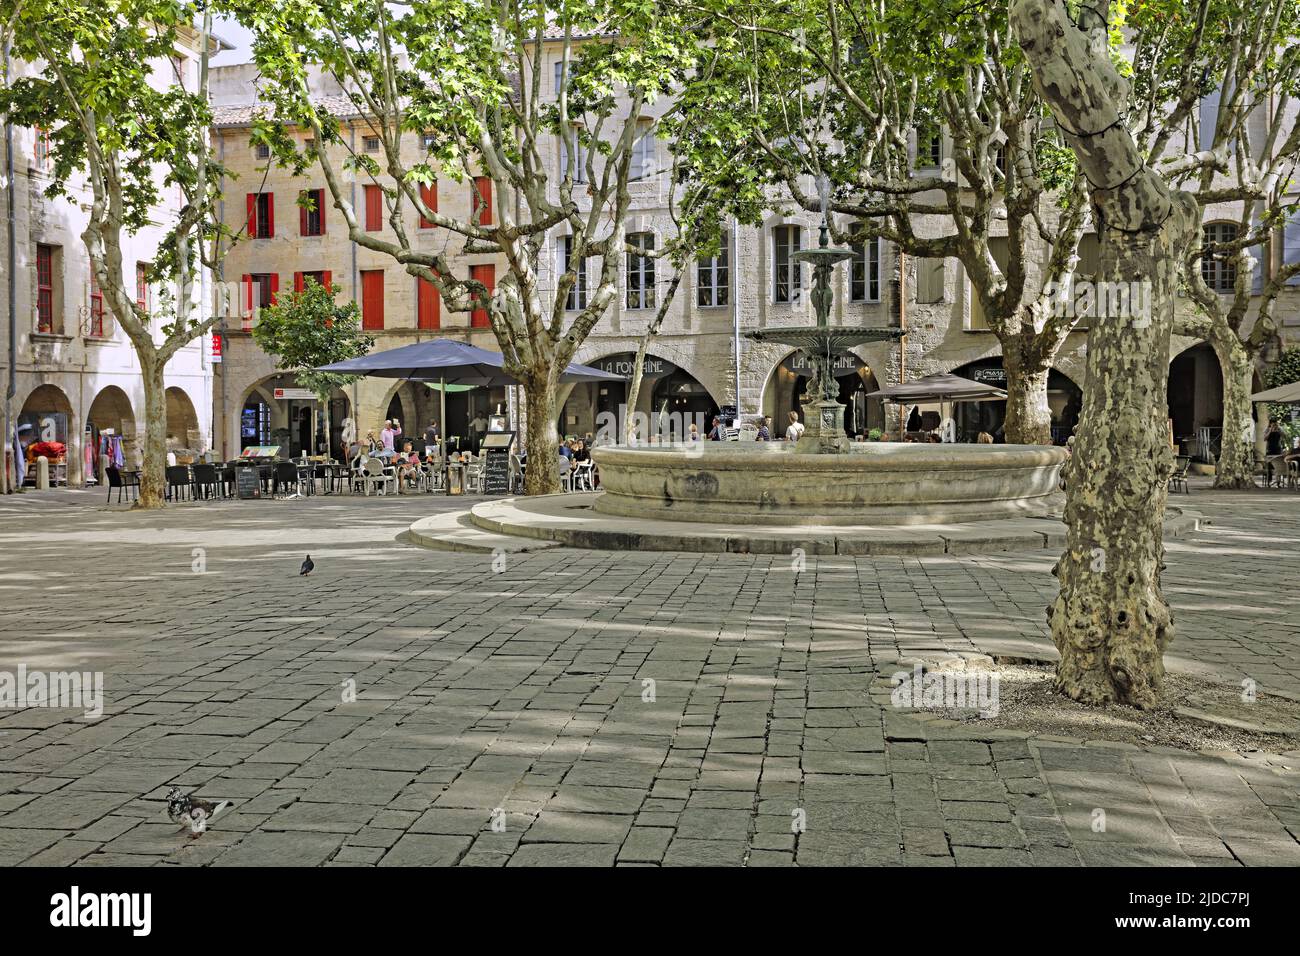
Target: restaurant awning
(1282,394)
(940,387)
(448,360)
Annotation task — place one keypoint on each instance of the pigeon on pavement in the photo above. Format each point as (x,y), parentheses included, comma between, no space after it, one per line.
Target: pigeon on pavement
(307,566)
(188,810)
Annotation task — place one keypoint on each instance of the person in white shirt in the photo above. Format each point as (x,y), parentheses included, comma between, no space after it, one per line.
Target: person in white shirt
(795,430)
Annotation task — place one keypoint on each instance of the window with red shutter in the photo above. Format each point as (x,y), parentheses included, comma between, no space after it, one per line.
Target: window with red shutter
(428,305)
(96,307)
(261,215)
(44,288)
(482,200)
(374,209)
(311,222)
(142,286)
(428,196)
(372,298)
(485,274)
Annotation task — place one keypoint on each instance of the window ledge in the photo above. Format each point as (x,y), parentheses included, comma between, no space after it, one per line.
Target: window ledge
(51,337)
(99,339)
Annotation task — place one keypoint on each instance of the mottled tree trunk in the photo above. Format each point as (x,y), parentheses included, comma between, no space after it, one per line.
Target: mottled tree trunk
(153,483)
(1235,467)
(1110,621)
(541,441)
(1029,419)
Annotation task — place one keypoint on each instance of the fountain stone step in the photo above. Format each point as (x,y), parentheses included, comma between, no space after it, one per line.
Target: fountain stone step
(454,531)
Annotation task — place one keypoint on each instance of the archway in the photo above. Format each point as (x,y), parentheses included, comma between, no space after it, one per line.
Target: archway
(670,398)
(1064,399)
(279,411)
(46,426)
(183,434)
(788,384)
(111,415)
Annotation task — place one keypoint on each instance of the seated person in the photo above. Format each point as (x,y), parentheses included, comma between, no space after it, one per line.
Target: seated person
(408,464)
(580,451)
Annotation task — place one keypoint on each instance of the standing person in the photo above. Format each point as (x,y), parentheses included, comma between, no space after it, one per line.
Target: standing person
(794,431)
(1273,438)
(387,435)
(430,437)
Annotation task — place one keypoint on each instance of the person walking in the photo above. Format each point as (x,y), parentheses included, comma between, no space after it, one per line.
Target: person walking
(794,431)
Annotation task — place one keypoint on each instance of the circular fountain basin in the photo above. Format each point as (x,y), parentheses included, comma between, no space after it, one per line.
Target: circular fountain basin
(875,483)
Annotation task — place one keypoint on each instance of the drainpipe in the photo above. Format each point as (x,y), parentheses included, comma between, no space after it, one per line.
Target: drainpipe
(11,388)
(356,388)
(221,319)
(902,339)
(735,304)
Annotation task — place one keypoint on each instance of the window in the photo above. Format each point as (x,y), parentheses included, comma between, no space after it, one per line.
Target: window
(428,305)
(643,157)
(142,298)
(1291,244)
(42,153)
(580,160)
(428,141)
(374,209)
(372,299)
(713,278)
(929,281)
(1218,268)
(560,77)
(864,271)
(44,288)
(261,215)
(95,327)
(929,148)
(787,276)
(428,196)
(322,278)
(481,200)
(311,217)
(1208,118)
(486,274)
(370,144)
(309,144)
(260,289)
(180,71)
(640,272)
(262,151)
(577,298)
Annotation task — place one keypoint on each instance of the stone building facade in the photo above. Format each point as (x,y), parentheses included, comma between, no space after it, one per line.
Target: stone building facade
(700,361)
(75,376)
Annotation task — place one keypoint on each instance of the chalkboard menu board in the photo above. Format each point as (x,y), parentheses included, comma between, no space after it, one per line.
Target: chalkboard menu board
(496,469)
(248,483)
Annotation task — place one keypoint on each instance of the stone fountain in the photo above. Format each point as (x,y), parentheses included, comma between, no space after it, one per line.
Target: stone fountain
(824,478)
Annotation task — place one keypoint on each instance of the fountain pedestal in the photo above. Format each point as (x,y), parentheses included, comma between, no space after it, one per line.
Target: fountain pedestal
(823,432)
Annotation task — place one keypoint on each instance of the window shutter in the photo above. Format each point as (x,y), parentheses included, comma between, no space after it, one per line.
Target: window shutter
(374,209)
(482,188)
(428,307)
(329,281)
(247,282)
(485,274)
(320,209)
(251,226)
(275,286)
(297,282)
(428,196)
(270,215)
(302,220)
(372,299)
(1291,244)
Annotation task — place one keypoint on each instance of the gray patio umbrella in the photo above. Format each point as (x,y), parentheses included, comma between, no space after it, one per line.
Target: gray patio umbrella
(1282,394)
(941,387)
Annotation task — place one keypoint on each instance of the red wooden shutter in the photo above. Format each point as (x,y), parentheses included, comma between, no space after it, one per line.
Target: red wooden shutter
(302,220)
(483,187)
(485,274)
(320,209)
(252,216)
(275,286)
(372,299)
(374,209)
(429,305)
(297,282)
(428,196)
(329,281)
(270,215)
(248,294)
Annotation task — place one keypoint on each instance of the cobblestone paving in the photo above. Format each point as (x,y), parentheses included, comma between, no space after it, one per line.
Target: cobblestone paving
(505,716)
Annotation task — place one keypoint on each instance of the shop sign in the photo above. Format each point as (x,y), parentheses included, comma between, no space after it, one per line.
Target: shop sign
(845,363)
(216,348)
(296,394)
(623,364)
(995,375)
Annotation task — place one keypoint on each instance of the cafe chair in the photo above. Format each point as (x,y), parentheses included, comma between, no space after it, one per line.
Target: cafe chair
(128,481)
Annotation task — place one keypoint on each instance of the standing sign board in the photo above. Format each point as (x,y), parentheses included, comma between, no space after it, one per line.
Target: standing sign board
(496,471)
(248,483)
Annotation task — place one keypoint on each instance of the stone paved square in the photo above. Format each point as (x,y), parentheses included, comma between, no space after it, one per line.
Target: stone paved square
(410,707)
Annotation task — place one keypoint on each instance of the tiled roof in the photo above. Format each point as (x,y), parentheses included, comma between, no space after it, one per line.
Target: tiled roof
(557,33)
(242,114)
